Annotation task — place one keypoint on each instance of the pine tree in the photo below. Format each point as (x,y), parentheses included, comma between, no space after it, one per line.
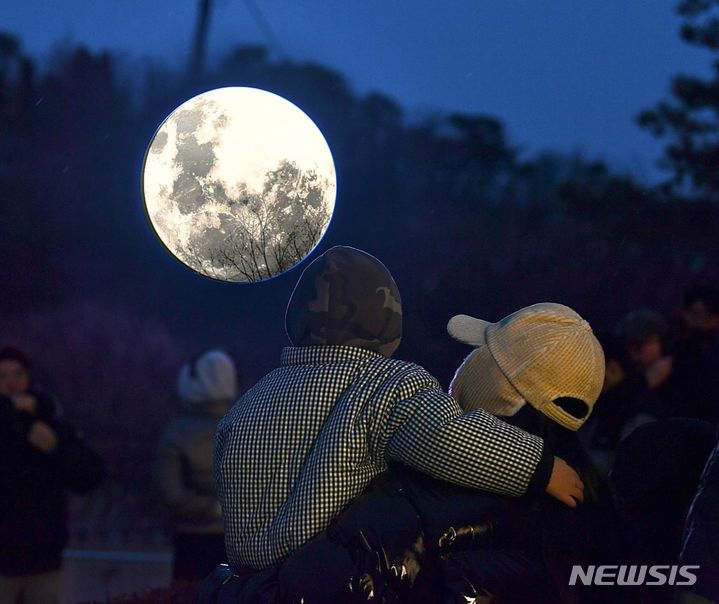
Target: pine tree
(690,120)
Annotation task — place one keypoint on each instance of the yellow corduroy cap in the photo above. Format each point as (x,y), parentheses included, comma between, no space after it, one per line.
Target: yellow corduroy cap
(546,351)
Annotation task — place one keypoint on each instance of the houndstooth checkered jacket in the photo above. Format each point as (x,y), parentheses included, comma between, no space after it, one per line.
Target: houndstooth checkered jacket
(309,436)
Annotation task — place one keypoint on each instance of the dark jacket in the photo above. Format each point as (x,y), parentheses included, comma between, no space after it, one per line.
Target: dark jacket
(590,534)
(33,527)
(700,543)
(694,383)
(466,543)
(615,408)
(655,476)
(408,538)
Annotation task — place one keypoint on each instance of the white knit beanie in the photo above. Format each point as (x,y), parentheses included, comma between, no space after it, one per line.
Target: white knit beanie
(536,355)
(210,377)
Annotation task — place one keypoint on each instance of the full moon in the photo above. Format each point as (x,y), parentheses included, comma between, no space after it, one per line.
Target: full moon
(239,184)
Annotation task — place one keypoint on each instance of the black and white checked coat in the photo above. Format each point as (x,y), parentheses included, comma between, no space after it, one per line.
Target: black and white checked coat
(309,436)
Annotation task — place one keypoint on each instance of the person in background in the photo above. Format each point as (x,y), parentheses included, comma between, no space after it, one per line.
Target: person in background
(655,476)
(696,365)
(41,456)
(700,311)
(701,536)
(207,387)
(644,334)
(624,404)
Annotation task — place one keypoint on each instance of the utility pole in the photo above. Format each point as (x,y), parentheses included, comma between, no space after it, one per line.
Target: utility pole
(198,50)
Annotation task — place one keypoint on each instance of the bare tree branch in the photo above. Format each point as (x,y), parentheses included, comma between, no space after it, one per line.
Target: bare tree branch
(272,230)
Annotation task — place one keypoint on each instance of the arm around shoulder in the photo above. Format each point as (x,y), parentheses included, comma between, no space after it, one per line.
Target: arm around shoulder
(429,432)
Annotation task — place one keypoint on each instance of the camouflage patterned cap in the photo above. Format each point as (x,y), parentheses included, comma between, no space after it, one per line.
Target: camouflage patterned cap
(346,298)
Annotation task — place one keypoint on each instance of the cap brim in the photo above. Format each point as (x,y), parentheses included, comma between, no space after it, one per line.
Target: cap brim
(468,330)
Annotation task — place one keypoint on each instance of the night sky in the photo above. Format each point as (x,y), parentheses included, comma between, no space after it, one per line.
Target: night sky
(566,75)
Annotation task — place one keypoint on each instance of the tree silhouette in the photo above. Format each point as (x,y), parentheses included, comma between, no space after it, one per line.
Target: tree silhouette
(690,121)
(263,233)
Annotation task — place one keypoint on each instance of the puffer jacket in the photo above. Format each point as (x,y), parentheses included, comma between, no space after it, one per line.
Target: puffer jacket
(206,386)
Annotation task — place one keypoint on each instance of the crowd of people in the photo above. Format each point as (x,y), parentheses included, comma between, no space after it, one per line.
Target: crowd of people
(348,476)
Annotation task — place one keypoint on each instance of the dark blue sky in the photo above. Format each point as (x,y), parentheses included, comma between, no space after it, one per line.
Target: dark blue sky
(566,75)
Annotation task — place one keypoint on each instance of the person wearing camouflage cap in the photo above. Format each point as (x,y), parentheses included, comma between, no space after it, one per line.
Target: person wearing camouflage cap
(346,298)
(310,436)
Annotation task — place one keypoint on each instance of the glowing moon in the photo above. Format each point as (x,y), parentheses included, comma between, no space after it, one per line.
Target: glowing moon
(239,184)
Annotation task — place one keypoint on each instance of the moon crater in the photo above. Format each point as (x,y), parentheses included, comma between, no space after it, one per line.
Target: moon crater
(239,184)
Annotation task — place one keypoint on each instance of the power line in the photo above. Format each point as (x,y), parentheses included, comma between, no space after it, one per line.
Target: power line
(198,50)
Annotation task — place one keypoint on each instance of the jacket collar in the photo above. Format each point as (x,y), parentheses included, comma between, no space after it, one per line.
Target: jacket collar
(322,355)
